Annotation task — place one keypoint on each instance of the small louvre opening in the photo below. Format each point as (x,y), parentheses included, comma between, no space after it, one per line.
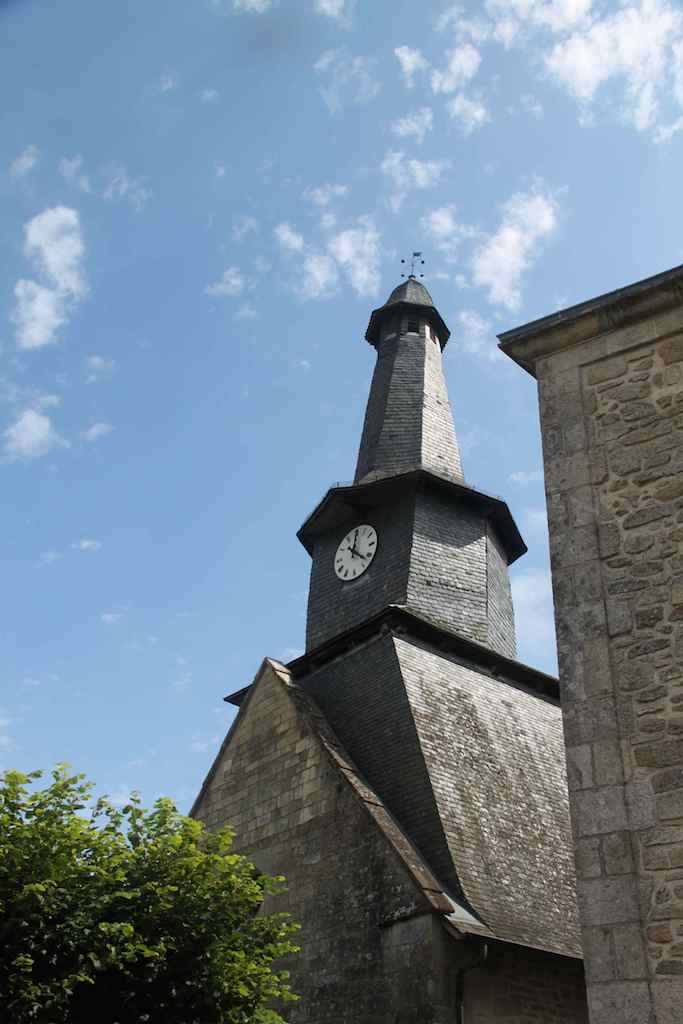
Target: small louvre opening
(413,327)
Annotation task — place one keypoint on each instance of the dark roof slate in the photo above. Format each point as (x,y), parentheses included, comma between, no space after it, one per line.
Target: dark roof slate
(495,757)
(410,290)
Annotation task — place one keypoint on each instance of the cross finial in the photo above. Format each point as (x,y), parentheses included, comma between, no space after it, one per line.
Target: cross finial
(416,258)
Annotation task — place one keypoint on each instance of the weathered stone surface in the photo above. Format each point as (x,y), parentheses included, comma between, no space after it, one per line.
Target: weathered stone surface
(631,403)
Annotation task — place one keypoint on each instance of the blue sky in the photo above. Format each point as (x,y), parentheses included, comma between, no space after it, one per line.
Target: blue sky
(200,204)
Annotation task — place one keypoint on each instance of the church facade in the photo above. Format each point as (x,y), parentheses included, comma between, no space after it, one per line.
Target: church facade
(407,773)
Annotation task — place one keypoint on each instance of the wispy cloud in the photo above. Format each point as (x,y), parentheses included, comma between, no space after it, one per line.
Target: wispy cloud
(25,162)
(167,83)
(470,112)
(209,95)
(87,544)
(31,436)
(97,368)
(415,125)
(323,195)
(120,185)
(71,169)
(340,10)
(289,239)
(54,244)
(249,6)
(345,77)
(352,254)
(476,335)
(462,65)
(500,262)
(412,63)
(530,476)
(445,231)
(231,282)
(96,431)
(406,174)
(244,226)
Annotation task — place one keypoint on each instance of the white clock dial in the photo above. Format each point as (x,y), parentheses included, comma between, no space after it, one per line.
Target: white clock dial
(355,552)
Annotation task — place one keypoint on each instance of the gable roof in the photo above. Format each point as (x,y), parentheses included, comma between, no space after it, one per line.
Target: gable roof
(435,900)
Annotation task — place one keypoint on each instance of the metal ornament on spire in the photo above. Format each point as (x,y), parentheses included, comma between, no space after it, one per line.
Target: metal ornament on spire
(416,257)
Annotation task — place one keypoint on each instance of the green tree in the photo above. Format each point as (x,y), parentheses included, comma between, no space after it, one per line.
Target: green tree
(121,916)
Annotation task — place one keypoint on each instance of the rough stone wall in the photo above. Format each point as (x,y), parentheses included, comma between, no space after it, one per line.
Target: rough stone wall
(363,956)
(519,986)
(456,578)
(612,425)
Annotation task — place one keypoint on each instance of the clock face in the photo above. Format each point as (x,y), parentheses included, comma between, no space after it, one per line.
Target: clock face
(355,552)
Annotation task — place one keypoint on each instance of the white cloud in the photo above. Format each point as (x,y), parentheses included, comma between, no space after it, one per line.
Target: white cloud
(243,227)
(288,238)
(323,195)
(98,367)
(328,220)
(476,335)
(52,239)
(96,431)
(407,175)
(219,169)
(522,476)
(340,10)
(70,170)
(500,262)
(636,44)
(445,231)
(122,186)
(415,125)
(167,83)
(245,312)
(346,76)
(252,6)
(31,436)
(209,95)
(463,64)
(38,314)
(412,63)
(231,282)
(533,601)
(471,113)
(510,16)
(318,278)
(25,162)
(357,252)
(87,544)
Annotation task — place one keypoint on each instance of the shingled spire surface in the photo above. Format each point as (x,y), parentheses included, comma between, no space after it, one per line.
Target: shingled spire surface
(408,420)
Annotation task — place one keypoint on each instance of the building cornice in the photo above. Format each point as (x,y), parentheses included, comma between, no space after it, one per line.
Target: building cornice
(568,327)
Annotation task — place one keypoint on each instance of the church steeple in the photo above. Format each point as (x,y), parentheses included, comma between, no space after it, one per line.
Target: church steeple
(409,532)
(408,420)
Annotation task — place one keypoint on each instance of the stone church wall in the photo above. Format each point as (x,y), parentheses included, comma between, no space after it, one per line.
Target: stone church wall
(522,986)
(611,398)
(362,954)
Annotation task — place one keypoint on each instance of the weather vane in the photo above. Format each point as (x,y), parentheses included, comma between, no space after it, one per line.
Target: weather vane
(415,258)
